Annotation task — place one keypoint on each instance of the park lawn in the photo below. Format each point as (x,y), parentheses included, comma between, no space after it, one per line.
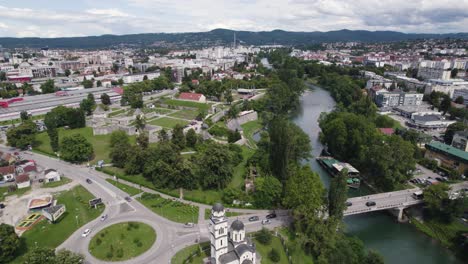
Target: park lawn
(100,142)
(183,255)
(250,128)
(263,250)
(77,214)
(124,187)
(185,114)
(228,214)
(122,241)
(157,110)
(19,192)
(172,210)
(63,181)
(200,106)
(240,171)
(298,255)
(167,122)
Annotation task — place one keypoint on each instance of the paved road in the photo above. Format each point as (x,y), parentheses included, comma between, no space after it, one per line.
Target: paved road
(171,236)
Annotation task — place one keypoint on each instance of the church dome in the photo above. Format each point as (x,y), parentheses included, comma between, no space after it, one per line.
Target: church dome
(237,225)
(218,207)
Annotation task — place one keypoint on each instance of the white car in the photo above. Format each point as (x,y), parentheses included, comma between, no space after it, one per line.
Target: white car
(103,217)
(189,225)
(266,221)
(86,233)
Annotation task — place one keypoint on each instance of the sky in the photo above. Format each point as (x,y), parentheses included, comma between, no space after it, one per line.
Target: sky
(62,18)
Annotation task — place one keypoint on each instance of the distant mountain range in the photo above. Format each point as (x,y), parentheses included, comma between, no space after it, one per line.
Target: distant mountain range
(219,36)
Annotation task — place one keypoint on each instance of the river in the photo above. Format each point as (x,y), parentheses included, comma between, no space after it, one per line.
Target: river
(398,243)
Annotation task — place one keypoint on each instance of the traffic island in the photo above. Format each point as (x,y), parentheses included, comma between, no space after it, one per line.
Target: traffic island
(122,241)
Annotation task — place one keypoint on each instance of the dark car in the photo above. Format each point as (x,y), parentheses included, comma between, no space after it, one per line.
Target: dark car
(128,199)
(2,206)
(270,216)
(370,203)
(348,204)
(89,181)
(254,218)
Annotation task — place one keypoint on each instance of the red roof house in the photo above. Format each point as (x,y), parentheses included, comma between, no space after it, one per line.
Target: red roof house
(118,90)
(192,97)
(387,131)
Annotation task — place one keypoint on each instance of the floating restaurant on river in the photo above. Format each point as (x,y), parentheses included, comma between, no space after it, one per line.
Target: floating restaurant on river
(334,167)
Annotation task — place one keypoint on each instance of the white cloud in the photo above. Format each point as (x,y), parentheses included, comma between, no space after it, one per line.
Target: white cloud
(142,16)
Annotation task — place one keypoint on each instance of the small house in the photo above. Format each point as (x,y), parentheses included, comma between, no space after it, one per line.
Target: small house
(196,97)
(8,173)
(51,175)
(22,181)
(54,212)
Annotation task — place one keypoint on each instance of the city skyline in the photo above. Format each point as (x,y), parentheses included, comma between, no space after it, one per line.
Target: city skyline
(88,18)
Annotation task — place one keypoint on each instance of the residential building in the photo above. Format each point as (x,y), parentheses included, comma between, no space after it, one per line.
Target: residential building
(445,86)
(140,77)
(22,181)
(433,120)
(460,140)
(229,246)
(434,70)
(51,175)
(447,156)
(384,98)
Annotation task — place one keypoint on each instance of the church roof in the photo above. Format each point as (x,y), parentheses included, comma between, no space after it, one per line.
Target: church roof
(242,248)
(218,207)
(228,257)
(237,225)
(247,261)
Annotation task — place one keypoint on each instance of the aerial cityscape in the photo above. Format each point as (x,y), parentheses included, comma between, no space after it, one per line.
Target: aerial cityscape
(235,132)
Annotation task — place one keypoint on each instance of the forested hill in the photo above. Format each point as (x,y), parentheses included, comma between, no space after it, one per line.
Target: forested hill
(219,36)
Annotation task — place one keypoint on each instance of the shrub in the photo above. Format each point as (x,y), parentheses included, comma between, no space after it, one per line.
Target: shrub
(119,253)
(274,255)
(264,236)
(98,241)
(109,254)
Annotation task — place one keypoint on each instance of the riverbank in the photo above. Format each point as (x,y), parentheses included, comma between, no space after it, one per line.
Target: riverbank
(397,243)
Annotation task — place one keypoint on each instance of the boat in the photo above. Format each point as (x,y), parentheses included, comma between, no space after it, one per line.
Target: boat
(333,167)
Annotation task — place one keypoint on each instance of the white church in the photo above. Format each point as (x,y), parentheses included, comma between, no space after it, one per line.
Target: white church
(229,246)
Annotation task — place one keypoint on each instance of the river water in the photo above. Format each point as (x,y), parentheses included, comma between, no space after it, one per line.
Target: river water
(398,243)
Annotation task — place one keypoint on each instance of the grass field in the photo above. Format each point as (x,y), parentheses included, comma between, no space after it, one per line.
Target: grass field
(263,250)
(200,106)
(445,233)
(100,142)
(240,170)
(185,114)
(161,111)
(228,214)
(51,235)
(4,192)
(167,122)
(124,187)
(251,128)
(172,210)
(295,250)
(63,181)
(122,241)
(185,253)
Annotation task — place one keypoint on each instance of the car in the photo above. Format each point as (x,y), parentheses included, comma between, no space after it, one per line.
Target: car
(370,203)
(189,225)
(41,180)
(348,204)
(253,218)
(89,181)
(270,216)
(439,179)
(86,232)
(103,217)
(266,221)
(128,199)
(2,206)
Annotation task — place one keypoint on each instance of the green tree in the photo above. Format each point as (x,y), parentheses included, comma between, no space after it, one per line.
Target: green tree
(64,256)
(48,87)
(274,255)
(24,116)
(52,132)
(268,191)
(178,138)
(451,129)
(439,205)
(454,73)
(76,148)
(87,105)
(143,140)
(264,236)
(67,72)
(215,166)
(191,138)
(40,255)
(140,122)
(2,76)
(337,195)
(119,148)
(105,99)
(163,136)
(87,83)
(234,136)
(119,137)
(459,100)
(99,83)
(445,104)
(10,242)
(373,258)
(23,135)
(136,159)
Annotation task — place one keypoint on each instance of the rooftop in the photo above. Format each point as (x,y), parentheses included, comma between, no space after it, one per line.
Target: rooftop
(447,149)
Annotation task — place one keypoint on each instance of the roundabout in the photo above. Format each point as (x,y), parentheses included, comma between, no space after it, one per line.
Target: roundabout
(122,241)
